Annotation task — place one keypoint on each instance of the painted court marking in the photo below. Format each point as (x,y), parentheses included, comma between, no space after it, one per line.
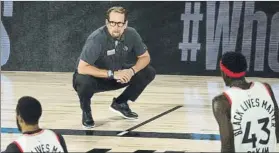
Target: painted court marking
(149,120)
(130,132)
(135,134)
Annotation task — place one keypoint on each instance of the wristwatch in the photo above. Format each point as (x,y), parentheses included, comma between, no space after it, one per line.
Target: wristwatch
(110,74)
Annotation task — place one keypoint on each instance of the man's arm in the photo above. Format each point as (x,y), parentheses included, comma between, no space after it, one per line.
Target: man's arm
(90,53)
(142,62)
(87,69)
(221,111)
(143,57)
(124,76)
(276,112)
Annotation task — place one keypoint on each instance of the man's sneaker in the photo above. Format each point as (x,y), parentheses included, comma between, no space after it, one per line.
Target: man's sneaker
(87,120)
(123,110)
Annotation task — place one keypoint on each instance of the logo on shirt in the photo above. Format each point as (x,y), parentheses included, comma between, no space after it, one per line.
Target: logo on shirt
(125,48)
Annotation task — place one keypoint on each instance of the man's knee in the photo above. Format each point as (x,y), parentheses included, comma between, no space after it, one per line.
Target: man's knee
(150,73)
(85,84)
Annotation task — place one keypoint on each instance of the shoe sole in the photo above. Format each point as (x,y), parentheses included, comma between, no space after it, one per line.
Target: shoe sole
(115,111)
(88,127)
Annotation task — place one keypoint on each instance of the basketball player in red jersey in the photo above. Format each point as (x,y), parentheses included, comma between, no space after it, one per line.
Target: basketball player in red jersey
(247,113)
(33,138)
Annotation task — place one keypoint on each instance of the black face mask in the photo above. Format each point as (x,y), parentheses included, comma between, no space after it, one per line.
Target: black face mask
(18,126)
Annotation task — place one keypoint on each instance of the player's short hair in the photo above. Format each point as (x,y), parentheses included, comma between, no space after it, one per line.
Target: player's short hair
(29,109)
(118,9)
(233,64)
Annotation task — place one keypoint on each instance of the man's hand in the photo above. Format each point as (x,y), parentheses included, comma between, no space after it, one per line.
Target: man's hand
(123,76)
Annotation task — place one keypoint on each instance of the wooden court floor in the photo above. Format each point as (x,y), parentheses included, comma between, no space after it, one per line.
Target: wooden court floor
(174,113)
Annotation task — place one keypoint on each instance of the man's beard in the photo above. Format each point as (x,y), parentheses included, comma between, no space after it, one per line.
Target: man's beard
(116,34)
(18,125)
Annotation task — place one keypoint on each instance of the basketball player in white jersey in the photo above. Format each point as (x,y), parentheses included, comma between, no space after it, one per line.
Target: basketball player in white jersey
(34,139)
(247,113)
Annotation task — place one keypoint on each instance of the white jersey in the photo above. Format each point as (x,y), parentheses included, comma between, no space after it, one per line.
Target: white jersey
(43,141)
(252,118)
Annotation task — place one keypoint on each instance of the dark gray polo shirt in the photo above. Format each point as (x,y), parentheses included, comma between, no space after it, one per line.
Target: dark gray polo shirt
(104,52)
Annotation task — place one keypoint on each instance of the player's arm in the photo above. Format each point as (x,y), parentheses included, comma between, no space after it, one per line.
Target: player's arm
(12,147)
(275,110)
(143,57)
(221,111)
(90,53)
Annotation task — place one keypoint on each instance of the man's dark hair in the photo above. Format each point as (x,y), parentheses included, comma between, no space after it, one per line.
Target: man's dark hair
(117,9)
(234,62)
(29,109)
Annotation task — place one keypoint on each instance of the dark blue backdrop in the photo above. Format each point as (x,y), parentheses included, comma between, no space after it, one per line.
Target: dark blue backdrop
(183,37)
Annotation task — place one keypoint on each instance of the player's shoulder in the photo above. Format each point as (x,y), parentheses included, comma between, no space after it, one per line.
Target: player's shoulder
(267,85)
(52,131)
(259,83)
(219,98)
(12,147)
(220,104)
(263,85)
(57,134)
(60,139)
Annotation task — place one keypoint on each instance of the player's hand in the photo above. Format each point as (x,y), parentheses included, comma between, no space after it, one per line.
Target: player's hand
(123,76)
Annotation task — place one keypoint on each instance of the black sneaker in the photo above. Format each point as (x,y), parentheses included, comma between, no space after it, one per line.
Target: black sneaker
(123,110)
(87,120)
